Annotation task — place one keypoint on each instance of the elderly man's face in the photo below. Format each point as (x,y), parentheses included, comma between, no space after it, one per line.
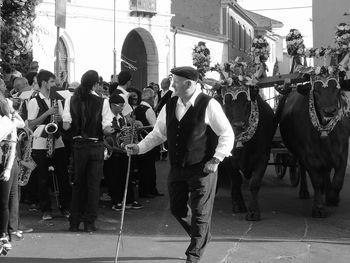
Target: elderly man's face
(183,87)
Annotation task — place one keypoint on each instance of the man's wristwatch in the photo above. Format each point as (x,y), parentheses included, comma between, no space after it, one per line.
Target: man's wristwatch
(215,160)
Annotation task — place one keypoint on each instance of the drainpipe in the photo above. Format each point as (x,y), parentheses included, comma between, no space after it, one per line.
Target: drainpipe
(174,45)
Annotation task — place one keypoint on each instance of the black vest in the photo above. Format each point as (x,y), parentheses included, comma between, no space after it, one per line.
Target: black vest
(191,140)
(42,109)
(87,117)
(140,114)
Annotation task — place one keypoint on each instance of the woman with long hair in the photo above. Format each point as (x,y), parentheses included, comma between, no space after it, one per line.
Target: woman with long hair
(89,117)
(8,179)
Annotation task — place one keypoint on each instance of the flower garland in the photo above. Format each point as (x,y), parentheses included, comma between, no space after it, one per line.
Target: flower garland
(322,72)
(325,130)
(260,49)
(239,73)
(295,43)
(253,121)
(201,58)
(246,135)
(321,52)
(342,37)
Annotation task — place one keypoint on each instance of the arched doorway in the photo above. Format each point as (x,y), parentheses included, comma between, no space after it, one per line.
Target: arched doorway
(140,56)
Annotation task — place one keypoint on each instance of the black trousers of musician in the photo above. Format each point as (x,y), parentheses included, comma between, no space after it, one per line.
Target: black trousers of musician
(146,164)
(8,189)
(88,171)
(44,182)
(191,184)
(116,168)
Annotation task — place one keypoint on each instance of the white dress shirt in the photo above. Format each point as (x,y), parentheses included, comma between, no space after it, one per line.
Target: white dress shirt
(214,117)
(40,143)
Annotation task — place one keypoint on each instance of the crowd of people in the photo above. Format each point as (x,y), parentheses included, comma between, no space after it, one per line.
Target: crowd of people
(92,134)
(57,150)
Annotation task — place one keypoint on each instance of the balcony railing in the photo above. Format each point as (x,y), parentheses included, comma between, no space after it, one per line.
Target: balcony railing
(143,7)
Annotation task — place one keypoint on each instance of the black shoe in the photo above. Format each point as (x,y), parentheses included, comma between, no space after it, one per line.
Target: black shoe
(89,227)
(73,225)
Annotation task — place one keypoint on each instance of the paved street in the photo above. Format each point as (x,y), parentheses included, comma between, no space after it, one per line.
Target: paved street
(286,232)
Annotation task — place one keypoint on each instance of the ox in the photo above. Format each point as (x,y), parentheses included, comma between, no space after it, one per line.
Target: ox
(252,120)
(315,128)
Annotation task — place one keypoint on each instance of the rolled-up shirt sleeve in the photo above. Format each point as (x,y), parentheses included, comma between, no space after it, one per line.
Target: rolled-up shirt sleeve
(218,122)
(157,136)
(66,117)
(107,115)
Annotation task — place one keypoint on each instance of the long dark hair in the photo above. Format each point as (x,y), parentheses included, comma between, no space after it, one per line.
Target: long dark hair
(83,93)
(88,80)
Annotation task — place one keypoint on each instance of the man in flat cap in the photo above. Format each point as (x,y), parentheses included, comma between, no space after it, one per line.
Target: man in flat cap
(199,137)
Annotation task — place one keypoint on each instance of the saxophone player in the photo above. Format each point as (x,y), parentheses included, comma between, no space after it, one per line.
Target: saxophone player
(42,112)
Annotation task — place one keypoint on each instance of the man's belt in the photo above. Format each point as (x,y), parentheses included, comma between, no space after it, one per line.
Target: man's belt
(81,138)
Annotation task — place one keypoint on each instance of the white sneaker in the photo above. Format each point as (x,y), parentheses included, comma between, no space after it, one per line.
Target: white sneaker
(47,216)
(4,242)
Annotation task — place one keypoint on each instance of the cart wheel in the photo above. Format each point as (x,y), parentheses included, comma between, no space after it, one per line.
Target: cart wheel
(280,167)
(294,174)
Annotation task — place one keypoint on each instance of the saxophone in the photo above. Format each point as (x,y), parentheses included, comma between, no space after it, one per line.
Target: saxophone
(51,128)
(26,163)
(8,150)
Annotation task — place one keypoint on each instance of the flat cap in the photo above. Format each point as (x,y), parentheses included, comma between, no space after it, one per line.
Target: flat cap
(186,72)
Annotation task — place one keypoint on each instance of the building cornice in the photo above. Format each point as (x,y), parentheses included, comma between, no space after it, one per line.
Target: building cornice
(239,10)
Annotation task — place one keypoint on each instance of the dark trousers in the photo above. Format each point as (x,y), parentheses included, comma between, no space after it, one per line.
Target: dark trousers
(191,184)
(146,164)
(7,189)
(88,171)
(14,200)
(42,176)
(115,169)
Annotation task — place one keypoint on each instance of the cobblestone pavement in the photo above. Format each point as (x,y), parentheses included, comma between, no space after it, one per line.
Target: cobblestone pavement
(286,233)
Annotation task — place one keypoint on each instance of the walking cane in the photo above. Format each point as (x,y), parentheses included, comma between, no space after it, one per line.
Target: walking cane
(124,198)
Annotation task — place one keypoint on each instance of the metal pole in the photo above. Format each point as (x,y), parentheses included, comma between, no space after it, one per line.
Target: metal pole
(57,65)
(114,50)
